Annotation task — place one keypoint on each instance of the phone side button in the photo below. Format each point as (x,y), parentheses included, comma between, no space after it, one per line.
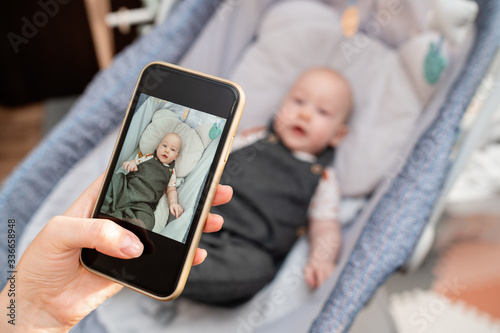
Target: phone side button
(228,149)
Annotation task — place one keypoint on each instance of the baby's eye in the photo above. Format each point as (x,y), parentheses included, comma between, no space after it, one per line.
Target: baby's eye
(298,101)
(323,112)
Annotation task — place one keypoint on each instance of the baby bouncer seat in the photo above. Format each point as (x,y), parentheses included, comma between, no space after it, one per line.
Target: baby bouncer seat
(384,212)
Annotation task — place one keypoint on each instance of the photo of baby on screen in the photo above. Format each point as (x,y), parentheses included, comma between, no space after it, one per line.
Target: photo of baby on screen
(162,167)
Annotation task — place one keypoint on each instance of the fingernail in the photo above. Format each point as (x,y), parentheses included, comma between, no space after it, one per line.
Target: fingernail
(131,246)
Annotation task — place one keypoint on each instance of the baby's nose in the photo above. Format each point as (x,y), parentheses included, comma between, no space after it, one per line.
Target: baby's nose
(305,112)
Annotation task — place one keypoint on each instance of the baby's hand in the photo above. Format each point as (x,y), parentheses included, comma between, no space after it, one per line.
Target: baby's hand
(130,166)
(176,210)
(316,272)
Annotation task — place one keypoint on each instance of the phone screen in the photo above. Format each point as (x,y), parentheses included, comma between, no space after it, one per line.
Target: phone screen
(168,147)
(171,140)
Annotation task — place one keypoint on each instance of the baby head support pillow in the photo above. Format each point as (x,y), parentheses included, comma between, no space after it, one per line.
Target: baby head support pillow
(194,141)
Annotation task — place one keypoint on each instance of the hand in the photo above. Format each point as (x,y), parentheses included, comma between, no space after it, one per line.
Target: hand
(54,290)
(176,210)
(130,166)
(317,272)
(325,238)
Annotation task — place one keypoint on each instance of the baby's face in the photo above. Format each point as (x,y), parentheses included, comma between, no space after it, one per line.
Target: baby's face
(312,115)
(168,148)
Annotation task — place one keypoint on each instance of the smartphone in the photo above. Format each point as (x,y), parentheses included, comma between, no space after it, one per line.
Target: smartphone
(176,136)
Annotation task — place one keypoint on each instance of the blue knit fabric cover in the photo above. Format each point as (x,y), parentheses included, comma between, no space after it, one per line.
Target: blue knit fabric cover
(396,224)
(100,109)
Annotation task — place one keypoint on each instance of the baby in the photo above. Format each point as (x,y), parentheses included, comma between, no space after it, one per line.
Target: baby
(281,179)
(133,197)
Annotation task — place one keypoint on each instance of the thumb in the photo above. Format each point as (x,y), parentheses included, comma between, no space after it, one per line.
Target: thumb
(68,233)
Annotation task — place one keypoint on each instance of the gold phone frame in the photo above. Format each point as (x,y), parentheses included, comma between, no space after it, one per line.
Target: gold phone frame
(213,186)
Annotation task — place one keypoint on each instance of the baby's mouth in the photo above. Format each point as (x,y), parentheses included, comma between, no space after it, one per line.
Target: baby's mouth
(299,131)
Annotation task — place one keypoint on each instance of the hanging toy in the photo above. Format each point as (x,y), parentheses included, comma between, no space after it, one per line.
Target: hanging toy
(215,131)
(186,113)
(451,18)
(434,63)
(350,20)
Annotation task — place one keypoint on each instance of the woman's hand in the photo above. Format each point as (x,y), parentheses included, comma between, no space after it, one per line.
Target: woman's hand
(54,290)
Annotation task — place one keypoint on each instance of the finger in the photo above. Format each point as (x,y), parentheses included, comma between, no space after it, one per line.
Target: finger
(310,276)
(313,281)
(324,275)
(199,256)
(214,223)
(310,281)
(83,206)
(319,278)
(68,233)
(222,195)
(322,278)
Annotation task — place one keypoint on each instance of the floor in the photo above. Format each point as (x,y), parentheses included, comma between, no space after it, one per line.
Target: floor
(20,130)
(458,287)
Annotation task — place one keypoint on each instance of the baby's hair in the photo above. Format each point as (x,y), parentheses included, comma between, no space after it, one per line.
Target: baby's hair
(177,135)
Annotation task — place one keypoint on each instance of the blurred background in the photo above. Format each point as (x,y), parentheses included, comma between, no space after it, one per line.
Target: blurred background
(47,60)
(52,51)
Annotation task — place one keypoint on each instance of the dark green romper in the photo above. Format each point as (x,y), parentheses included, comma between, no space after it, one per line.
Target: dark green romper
(133,197)
(272,193)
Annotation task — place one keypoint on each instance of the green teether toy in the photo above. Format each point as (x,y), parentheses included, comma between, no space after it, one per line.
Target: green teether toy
(434,64)
(214,132)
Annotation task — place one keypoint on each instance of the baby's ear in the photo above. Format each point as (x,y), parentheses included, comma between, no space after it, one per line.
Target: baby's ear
(339,135)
